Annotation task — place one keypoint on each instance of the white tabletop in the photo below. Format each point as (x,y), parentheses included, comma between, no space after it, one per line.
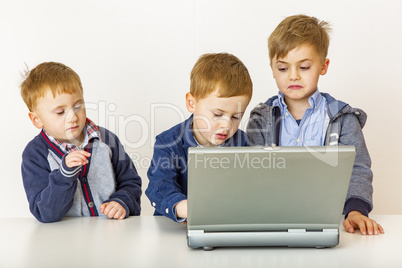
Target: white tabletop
(148,241)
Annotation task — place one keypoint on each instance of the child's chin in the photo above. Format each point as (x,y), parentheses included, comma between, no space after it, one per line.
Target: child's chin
(73,138)
(218,142)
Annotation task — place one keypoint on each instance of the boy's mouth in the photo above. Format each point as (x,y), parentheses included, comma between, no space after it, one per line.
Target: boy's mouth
(295,87)
(221,136)
(72,128)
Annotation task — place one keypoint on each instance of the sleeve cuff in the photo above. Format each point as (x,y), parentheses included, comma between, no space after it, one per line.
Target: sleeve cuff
(357,204)
(180,220)
(170,210)
(67,171)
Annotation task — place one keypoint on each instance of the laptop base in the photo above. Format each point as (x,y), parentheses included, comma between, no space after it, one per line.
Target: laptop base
(291,238)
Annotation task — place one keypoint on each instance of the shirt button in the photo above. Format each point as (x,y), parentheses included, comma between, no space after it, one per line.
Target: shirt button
(286,114)
(167,211)
(298,140)
(90,204)
(153,204)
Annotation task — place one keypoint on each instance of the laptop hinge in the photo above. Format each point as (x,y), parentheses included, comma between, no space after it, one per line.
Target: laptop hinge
(304,230)
(330,230)
(296,230)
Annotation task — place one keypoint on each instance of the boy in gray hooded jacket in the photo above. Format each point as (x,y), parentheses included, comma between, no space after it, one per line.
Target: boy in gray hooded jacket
(302,116)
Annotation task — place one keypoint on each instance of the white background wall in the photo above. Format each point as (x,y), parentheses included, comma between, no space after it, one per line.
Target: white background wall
(135,57)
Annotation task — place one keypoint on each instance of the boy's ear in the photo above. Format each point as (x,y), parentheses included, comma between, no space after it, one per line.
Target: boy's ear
(190,102)
(35,120)
(324,67)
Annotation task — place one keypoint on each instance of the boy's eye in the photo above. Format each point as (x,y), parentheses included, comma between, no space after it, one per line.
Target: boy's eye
(282,69)
(304,67)
(217,115)
(237,117)
(59,112)
(77,107)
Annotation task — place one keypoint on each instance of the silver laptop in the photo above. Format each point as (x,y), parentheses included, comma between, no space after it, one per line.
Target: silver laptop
(267,196)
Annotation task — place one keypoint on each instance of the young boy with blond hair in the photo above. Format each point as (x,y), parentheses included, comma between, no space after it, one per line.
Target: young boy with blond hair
(220,91)
(73,167)
(302,116)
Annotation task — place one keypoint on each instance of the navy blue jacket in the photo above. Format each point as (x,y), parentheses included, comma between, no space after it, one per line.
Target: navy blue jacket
(168,170)
(55,190)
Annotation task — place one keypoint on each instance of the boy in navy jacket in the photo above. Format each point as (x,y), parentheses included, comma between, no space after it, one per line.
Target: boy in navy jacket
(220,91)
(73,167)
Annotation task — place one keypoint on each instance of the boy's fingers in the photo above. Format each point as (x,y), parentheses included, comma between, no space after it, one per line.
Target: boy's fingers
(362,227)
(102,207)
(123,215)
(85,153)
(107,208)
(77,157)
(380,229)
(366,226)
(377,228)
(348,227)
(80,153)
(77,162)
(370,227)
(73,162)
(80,158)
(118,214)
(112,212)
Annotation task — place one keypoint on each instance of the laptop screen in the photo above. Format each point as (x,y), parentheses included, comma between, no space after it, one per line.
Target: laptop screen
(268,189)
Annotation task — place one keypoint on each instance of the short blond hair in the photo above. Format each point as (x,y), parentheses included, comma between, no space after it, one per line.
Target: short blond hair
(53,76)
(221,71)
(299,30)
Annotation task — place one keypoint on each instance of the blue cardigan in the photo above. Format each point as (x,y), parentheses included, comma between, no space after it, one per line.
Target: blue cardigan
(168,170)
(55,190)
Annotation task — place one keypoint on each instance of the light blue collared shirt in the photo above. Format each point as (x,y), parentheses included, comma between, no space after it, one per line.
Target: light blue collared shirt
(312,127)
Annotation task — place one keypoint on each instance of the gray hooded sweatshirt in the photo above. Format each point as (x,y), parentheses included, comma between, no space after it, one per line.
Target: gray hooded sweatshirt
(343,127)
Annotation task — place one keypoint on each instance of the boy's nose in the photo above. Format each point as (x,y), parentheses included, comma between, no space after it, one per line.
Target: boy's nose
(294,75)
(72,116)
(225,123)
